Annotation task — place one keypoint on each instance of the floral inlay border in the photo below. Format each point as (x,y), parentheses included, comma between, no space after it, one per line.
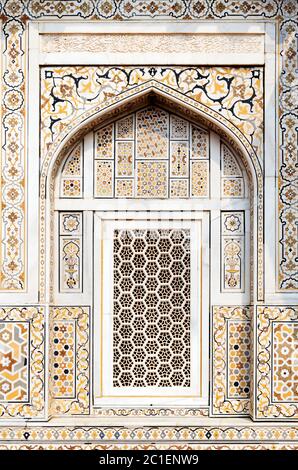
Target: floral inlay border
(234,92)
(144,434)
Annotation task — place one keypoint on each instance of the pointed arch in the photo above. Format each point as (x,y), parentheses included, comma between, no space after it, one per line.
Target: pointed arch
(130,101)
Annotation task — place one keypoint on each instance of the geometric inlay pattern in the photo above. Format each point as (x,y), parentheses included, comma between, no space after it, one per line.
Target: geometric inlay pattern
(199,178)
(239,345)
(285,361)
(103,179)
(69,360)
(22,362)
(64,359)
(14,358)
(152,179)
(152,133)
(104,142)
(232,182)
(151,318)
(231,359)
(151,154)
(71,185)
(276,393)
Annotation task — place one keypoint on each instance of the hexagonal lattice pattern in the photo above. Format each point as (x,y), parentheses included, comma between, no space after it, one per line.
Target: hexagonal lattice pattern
(151,322)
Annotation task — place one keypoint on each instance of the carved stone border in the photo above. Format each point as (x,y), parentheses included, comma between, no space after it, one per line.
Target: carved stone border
(150,446)
(140,435)
(265,409)
(80,404)
(221,404)
(36,406)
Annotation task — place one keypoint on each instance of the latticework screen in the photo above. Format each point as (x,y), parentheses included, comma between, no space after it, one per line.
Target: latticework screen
(151,308)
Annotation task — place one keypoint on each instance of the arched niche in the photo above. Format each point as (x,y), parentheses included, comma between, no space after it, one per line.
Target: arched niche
(133,100)
(228,138)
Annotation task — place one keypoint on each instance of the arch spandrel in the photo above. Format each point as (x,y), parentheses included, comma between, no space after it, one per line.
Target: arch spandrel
(139,97)
(69,93)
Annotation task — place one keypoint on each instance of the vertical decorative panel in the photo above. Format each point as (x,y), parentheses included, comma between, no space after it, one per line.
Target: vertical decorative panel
(199,143)
(199,170)
(179,159)
(152,134)
(70,252)
(285,361)
(231,360)
(72,174)
(14,196)
(104,143)
(239,353)
(125,128)
(151,314)
(64,339)
(199,179)
(22,362)
(104,179)
(276,362)
(232,251)
(69,360)
(104,170)
(179,128)
(232,182)
(124,159)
